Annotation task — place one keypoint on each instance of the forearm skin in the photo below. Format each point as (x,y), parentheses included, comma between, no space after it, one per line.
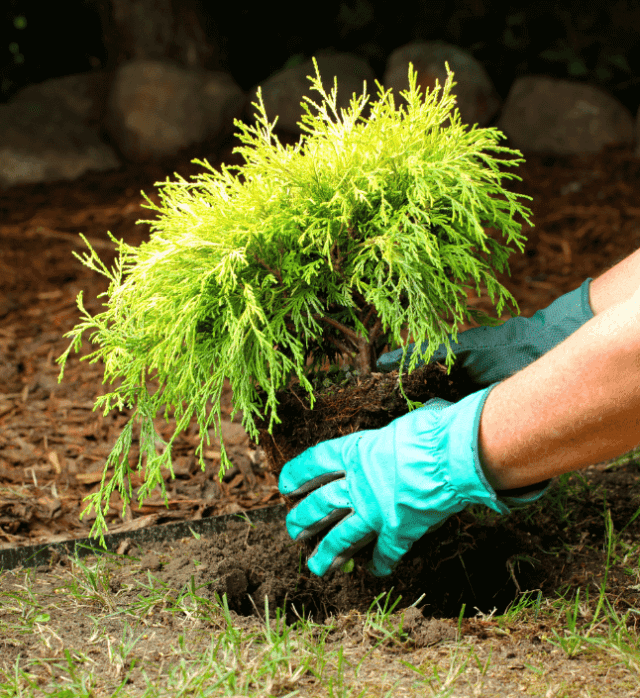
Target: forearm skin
(578,404)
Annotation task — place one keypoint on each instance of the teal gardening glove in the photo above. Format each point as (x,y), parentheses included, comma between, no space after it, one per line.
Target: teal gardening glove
(491,354)
(393,484)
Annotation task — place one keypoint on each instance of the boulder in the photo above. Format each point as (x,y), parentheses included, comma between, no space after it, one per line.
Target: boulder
(46,131)
(543,114)
(85,94)
(157,108)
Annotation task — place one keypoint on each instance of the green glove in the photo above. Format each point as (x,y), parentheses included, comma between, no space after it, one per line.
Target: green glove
(491,354)
(393,484)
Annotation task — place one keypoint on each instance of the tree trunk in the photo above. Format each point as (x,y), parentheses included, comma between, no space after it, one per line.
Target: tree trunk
(363,358)
(156,29)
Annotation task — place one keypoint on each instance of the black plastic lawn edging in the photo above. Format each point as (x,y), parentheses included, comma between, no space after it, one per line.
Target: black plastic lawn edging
(34,555)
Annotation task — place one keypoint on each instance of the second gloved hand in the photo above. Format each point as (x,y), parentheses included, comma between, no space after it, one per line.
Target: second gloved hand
(392,484)
(491,354)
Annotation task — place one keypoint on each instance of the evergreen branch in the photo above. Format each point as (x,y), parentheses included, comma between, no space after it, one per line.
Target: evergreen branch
(376,330)
(372,310)
(346,331)
(275,272)
(344,349)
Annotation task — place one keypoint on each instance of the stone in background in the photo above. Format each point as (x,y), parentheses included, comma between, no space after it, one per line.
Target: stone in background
(543,114)
(156,108)
(49,131)
(151,108)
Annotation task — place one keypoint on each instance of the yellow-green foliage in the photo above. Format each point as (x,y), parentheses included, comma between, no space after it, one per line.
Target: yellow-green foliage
(249,277)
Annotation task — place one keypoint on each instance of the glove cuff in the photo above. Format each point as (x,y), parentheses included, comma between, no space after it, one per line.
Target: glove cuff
(463,452)
(501,502)
(571,310)
(525,495)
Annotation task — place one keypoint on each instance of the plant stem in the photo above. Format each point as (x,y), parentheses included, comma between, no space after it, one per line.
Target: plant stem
(364,357)
(346,331)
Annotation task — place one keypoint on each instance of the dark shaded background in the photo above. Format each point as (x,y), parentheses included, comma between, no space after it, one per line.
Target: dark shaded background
(594,41)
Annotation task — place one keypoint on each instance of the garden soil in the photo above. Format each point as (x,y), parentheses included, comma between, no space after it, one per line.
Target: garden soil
(53,445)
(346,403)
(476,558)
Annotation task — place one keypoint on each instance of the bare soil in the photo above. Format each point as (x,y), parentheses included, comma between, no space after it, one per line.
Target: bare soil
(53,446)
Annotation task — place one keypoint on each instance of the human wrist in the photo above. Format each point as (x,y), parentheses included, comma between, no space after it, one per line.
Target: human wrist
(495,468)
(500,479)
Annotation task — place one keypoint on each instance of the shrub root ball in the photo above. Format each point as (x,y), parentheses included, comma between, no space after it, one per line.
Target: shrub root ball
(353,405)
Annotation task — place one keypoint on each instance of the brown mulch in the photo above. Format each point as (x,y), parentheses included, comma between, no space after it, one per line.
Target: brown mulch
(53,445)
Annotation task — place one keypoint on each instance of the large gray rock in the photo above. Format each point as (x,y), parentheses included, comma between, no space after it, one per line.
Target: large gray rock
(543,114)
(45,133)
(156,108)
(283,92)
(476,96)
(85,94)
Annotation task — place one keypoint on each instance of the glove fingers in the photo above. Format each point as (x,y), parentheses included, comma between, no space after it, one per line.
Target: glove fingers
(340,544)
(314,467)
(390,361)
(391,548)
(318,510)
(387,555)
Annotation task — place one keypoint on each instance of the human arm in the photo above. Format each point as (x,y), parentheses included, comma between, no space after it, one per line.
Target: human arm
(577,405)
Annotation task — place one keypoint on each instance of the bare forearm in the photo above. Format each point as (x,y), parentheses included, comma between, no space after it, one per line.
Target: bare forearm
(616,285)
(577,405)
